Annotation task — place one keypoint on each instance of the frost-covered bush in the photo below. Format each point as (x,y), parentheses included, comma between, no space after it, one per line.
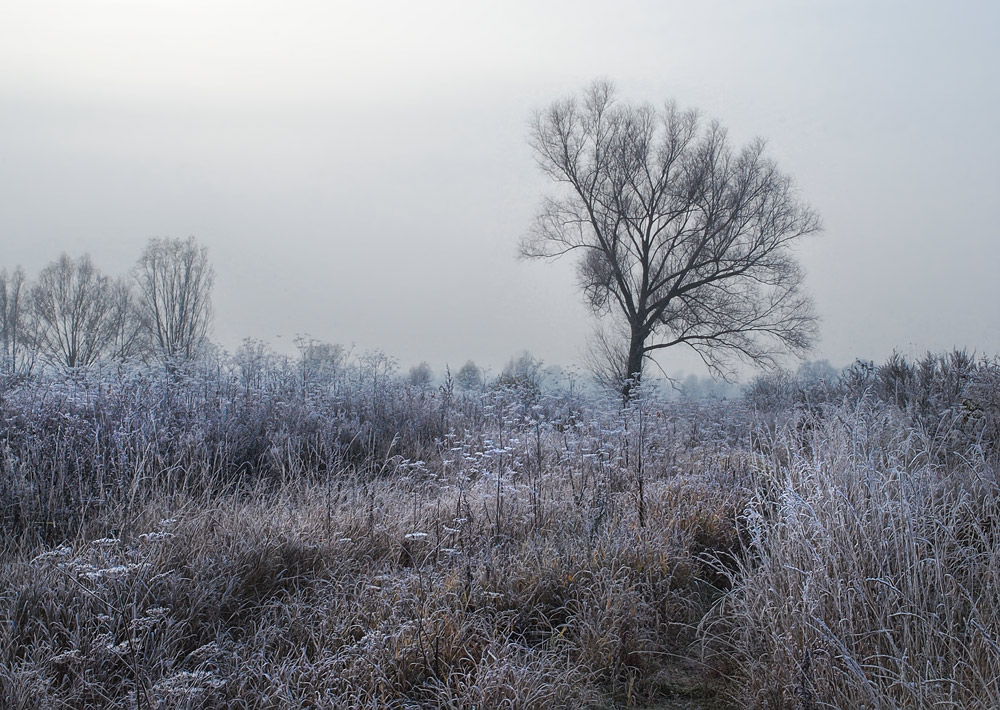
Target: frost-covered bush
(77,447)
(872,578)
(951,399)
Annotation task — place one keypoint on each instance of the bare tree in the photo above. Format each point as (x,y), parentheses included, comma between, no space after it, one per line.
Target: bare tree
(321,364)
(421,375)
(129,337)
(174,280)
(258,366)
(683,239)
(16,341)
(72,306)
(522,373)
(469,377)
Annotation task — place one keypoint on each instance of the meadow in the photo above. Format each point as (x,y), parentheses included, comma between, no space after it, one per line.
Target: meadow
(320,533)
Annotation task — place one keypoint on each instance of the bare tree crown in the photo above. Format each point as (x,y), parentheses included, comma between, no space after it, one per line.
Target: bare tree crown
(683,239)
(174,279)
(72,306)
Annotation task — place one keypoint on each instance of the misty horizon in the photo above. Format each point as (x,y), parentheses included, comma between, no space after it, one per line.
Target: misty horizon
(364,178)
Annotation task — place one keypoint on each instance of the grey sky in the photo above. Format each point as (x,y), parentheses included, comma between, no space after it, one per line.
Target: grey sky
(359,171)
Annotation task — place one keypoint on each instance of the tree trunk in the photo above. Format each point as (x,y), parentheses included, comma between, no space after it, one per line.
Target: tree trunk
(633,365)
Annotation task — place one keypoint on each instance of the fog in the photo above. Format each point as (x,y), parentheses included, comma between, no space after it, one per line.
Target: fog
(361,173)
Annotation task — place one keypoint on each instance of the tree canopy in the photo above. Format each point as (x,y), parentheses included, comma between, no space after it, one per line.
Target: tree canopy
(683,239)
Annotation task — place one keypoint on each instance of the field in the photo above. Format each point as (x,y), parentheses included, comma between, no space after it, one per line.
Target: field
(285,535)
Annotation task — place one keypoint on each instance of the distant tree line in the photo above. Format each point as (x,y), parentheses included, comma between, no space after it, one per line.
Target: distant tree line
(73,315)
(523,372)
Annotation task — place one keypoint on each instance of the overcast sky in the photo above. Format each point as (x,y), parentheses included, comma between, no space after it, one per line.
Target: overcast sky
(359,171)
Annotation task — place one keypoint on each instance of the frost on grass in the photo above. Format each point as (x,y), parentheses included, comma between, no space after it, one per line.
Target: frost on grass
(295,540)
(189,684)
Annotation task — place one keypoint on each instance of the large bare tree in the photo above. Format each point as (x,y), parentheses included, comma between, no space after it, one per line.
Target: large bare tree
(72,305)
(683,239)
(174,280)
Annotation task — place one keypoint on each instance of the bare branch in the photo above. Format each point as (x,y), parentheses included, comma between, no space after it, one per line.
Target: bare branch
(174,280)
(684,237)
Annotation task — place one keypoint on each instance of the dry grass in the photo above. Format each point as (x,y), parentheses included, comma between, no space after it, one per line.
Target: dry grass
(172,544)
(873,579)
(381,594)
